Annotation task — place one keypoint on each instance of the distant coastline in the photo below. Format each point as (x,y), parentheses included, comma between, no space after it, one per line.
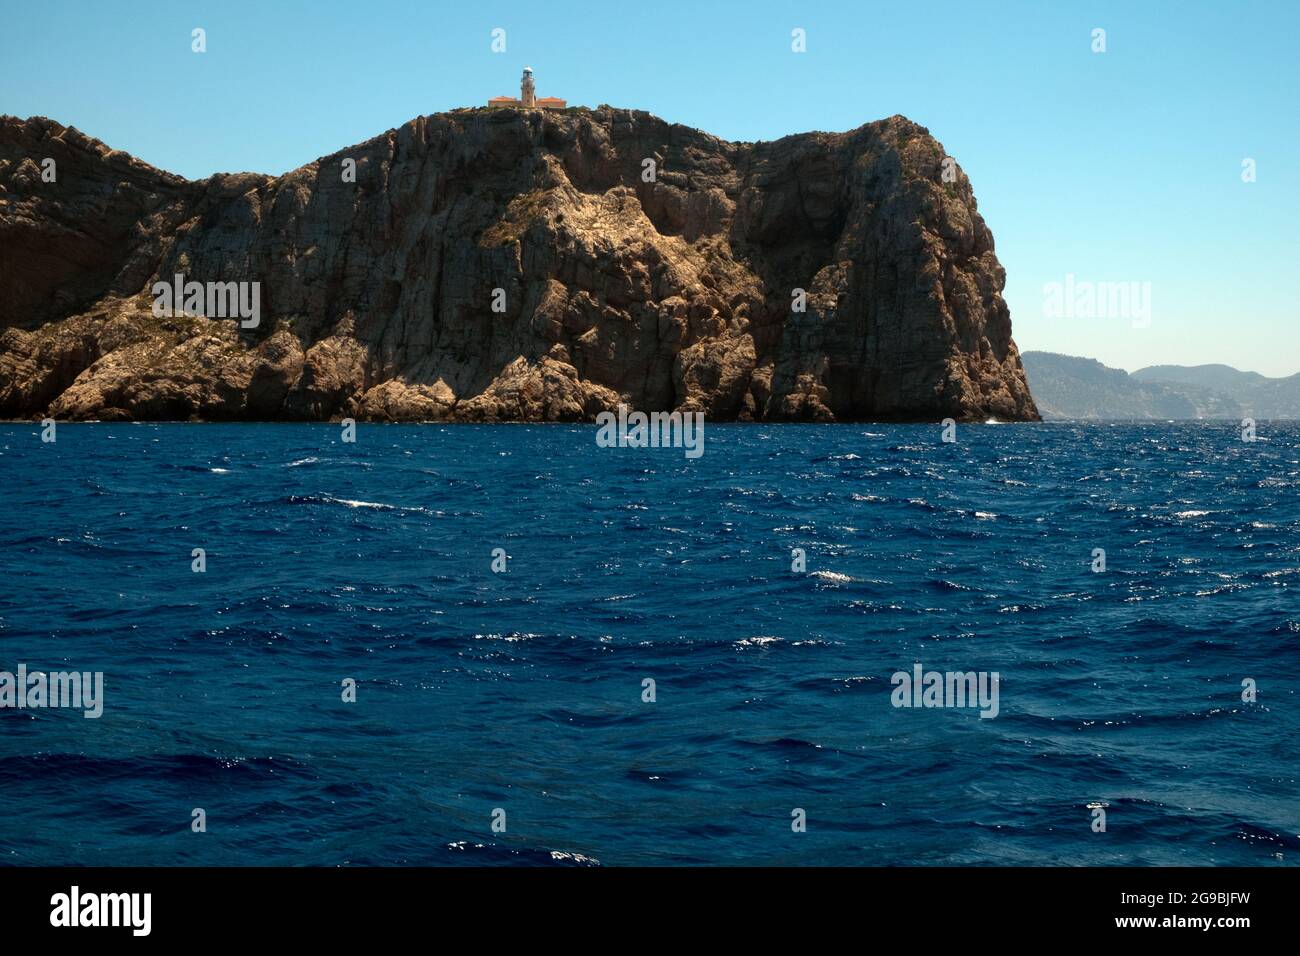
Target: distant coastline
(1072,388)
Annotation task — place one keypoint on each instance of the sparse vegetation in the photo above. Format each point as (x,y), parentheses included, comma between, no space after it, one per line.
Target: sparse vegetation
(521,211)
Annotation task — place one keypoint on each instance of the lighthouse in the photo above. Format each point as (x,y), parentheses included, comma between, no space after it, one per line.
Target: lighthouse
(527,91)
(528,98)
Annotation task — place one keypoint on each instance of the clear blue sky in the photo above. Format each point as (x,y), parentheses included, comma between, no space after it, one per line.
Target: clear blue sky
(1122,166)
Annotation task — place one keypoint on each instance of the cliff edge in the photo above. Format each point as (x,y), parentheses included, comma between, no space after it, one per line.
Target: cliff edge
(510,265)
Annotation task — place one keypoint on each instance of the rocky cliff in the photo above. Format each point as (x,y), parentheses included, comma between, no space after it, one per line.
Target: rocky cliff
(510,265)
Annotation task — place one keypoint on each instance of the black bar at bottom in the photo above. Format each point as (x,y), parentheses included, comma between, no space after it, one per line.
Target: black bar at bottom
(334,905)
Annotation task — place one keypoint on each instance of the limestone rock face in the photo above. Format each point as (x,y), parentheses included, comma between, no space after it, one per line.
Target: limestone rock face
(510,265)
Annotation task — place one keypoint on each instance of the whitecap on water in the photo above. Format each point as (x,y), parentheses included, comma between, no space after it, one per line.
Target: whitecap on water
(832,576)
(760,640)
(354,503)
(561,856)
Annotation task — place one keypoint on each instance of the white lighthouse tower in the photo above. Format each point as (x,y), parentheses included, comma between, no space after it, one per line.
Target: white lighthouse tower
(527,91)
(528,98)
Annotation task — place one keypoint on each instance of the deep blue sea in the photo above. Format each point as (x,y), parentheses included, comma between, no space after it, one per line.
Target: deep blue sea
(522,690)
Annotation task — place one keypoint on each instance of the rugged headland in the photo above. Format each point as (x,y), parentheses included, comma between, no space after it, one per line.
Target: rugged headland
(510,265)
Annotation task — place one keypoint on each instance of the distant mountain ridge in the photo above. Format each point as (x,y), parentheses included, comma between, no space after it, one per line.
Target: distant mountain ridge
(1222,377)
(1068,387)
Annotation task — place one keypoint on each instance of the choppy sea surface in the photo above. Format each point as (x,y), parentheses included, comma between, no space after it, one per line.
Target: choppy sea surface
(522,690)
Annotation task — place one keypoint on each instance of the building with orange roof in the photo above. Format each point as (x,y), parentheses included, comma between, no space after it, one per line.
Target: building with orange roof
(527,98)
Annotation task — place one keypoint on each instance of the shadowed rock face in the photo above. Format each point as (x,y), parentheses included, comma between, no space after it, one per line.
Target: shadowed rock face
(377,295)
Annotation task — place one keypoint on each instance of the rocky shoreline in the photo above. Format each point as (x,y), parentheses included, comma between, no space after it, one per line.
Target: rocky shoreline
(508,265)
